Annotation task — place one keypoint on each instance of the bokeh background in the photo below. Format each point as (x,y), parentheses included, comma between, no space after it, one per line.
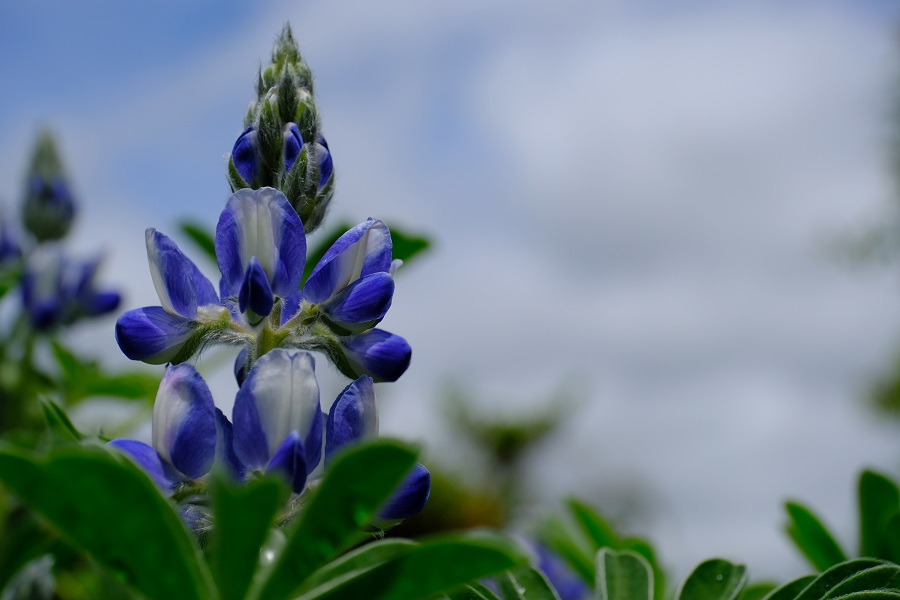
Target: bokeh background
(644,206)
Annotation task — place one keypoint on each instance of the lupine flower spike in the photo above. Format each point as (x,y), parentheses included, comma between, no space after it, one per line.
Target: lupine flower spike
(261,250)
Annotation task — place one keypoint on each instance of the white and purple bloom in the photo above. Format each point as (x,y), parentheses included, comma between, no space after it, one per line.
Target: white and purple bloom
(59,291)
(183,431)
(261,251)
(277,419)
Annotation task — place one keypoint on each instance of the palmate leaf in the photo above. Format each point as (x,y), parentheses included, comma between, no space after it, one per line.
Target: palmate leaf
(526,584)
(356,485)
(825,582)
(812,538)
(80,379)
(624,575)
(791,589)
(472,591)
(757,591)
(714,579)
(428,569)
(356,563)
(62,431)
(243,515)
(600,534)
(879,500)
(103,504)
(201,237)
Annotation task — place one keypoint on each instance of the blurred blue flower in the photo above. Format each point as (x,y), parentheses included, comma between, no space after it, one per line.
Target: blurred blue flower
(49,208)
(10,248)
(261,251)
(566,583)
(59,291)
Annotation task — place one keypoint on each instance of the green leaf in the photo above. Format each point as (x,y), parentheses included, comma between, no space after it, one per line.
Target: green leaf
(355,486)
(472,591)
(714,579)
(870,595)
(105,505)
(789,590)
(61,428)
(882,577)
(556,536)
(526,584)
(243,515)
(892,534)
(624,575)
(644,548)
(134,385)
(434,567)
(879,499)
(201,238)
(405,246)
(595,528)
(357,562)
(812,538)
(757,591)
(833,576)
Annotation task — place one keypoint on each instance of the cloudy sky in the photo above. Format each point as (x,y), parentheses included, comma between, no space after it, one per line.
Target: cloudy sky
(627,198)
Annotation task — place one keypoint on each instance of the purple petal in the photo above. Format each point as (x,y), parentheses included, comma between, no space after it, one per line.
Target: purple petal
(148,459)
(184,421)
(353,416)
(179,284)
(152,335)
(289,460)
(376,352)
(260,223)
(363,303)
(240,367)
(245,155)
(280,395)
(410,498)
(255,292)
(291,306)
(326,165)
(102,303)
(293,143)
(225,455)
(363,250)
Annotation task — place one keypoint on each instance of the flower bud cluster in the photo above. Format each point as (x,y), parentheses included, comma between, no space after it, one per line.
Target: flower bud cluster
(281,145)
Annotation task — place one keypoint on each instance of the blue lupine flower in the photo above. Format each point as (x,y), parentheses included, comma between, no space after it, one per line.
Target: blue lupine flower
(248,157)
(326,165)
(277,419)
(183,430)
(169,333)
(261,251)
(59,291)
(354,417)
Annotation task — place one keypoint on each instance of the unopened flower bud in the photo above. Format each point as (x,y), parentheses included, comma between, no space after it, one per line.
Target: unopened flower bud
(48,209)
